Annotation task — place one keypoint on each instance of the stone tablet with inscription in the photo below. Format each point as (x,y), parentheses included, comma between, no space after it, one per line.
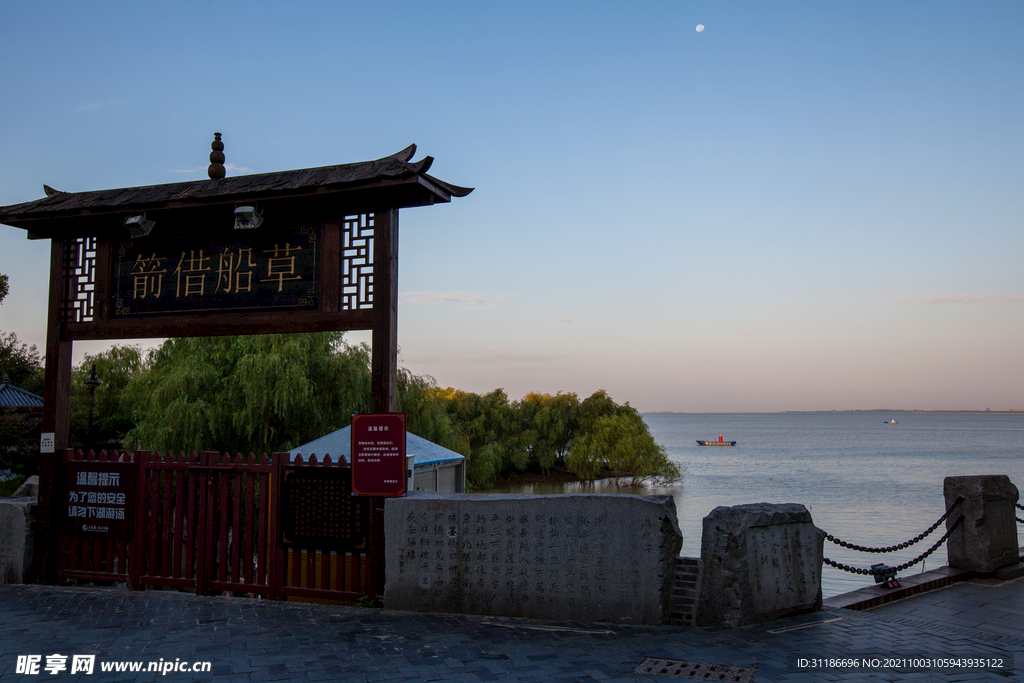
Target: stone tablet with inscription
(572,557)
(760,562)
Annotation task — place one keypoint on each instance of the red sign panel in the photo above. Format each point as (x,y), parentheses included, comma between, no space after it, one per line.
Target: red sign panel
(378,454)
(100,498)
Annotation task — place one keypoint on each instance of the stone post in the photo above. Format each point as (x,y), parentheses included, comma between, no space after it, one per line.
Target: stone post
(987,538)
(15,538)
(761,562)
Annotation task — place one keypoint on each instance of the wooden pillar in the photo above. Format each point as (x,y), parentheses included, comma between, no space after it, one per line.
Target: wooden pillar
(384,349)
(57,384)
(56,415)
(384,363)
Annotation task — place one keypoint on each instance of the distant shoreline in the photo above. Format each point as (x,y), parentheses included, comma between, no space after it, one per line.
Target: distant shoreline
(876,411)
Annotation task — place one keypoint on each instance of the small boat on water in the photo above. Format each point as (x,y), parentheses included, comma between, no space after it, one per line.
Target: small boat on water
(891,422)
(720,442)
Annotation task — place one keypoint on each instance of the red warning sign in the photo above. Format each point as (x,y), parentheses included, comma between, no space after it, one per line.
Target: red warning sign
(378,454)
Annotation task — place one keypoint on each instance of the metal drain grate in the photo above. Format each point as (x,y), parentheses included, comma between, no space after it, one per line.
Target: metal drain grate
(695,671)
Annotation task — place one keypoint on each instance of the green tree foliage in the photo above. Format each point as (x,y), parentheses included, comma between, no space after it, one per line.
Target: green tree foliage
(21,362)
(113,415)
(270,393)
(598,405)
(255,393)
(542,432)
(548,425)
(19,442)
(425,412)
(622,445)
(19,432)
(484,427)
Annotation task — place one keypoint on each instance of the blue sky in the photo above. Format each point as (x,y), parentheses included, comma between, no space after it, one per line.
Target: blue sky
(805,206)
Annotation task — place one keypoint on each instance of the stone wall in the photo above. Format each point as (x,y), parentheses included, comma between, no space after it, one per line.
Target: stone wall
(568,557)
(760,562)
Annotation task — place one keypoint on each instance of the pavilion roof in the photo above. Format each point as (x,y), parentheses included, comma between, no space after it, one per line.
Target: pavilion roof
(340,443)
(17,398)
(400,182)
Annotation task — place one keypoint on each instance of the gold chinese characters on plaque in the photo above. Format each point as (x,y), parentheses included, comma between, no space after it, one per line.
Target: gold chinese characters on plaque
(273,270)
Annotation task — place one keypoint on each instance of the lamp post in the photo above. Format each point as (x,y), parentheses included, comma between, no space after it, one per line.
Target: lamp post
(92,383)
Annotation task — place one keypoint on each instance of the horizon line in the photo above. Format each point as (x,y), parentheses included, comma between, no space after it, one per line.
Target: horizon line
(1013,411)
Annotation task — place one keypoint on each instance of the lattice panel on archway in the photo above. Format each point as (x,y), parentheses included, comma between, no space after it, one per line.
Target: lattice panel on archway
(357,262)
(80,261)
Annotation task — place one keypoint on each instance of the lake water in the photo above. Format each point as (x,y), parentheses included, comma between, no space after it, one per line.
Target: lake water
(864,481)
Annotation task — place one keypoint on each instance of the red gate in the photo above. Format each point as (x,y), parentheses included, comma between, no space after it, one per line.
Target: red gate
(206,522)
(202,523)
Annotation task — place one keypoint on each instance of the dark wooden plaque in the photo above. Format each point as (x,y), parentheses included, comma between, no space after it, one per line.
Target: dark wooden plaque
(258,271)
(100,498)
(318,510)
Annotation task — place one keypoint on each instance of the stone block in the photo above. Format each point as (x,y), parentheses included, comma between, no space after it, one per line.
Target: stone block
(760,562)
(28,489)
(15,538)
(567,557)
(987,538)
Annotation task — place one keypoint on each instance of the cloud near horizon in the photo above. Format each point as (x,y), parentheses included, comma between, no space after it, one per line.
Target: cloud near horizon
(472,300)
(939,298)
(541,360)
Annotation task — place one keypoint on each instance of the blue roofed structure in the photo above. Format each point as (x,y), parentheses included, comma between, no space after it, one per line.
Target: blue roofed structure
(435,468)
(13,398)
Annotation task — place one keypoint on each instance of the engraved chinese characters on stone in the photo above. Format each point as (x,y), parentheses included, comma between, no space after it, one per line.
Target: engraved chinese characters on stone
(573,557)
(761,561)
(781,573)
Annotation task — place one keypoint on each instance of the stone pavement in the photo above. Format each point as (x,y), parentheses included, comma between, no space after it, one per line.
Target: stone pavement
(259,640)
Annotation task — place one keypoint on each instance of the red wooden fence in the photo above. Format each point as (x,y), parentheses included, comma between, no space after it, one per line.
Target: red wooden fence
(205,522)
(89,558)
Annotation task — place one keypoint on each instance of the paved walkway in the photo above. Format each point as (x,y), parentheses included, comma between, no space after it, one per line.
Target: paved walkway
(258,640)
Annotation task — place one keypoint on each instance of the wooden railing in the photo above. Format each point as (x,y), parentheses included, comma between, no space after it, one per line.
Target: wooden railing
(207,523)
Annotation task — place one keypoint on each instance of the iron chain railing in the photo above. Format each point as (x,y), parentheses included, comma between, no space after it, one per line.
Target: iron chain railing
(901,546)
(907,565)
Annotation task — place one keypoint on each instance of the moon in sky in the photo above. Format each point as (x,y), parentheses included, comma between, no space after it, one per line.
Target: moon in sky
(700,27)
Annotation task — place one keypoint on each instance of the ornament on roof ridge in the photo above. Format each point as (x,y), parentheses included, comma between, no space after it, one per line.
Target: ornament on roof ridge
(216,170)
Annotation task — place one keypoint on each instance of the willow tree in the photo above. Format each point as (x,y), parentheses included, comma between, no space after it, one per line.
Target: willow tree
(621,446)
(485,430)
(548,424)
(260,393)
